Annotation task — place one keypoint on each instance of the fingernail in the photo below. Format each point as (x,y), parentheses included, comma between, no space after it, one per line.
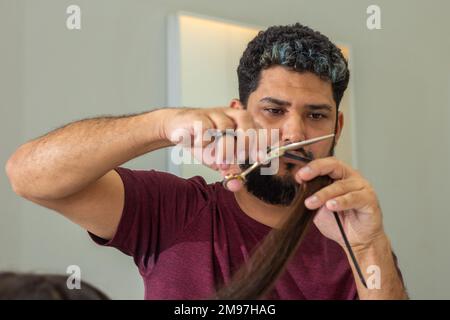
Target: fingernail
(305,170)
(312,200)
(332,204)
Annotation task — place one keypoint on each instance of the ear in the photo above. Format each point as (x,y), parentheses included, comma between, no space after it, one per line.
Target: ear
(236,104)
(340,125)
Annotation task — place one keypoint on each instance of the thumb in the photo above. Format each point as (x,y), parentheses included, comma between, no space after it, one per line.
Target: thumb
(227,170)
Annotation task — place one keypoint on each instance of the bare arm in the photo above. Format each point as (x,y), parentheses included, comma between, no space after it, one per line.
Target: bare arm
(70,171)
(379,270)
(68,159)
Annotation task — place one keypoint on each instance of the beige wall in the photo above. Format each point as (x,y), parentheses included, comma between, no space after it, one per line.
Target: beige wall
(116,64)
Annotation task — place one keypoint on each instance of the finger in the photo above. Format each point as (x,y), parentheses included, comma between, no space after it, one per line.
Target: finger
(199,131)
(241,122)
(222,124)
(222,121)
(214,154)
(352,200)
(333,190)
(246,133)
(242,118)
(230,169)
(232,185)
(330,166)
(225,148)
(251,145)
(252,139)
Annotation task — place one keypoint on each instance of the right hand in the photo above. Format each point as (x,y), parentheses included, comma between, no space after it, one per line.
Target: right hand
(182,122)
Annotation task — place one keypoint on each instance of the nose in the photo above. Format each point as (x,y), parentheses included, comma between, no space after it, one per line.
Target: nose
(293,130)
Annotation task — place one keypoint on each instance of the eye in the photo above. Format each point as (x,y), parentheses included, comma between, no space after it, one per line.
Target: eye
(316,116)
(274,111)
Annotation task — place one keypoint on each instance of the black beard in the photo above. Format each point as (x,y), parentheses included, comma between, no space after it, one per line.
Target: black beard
(274,189)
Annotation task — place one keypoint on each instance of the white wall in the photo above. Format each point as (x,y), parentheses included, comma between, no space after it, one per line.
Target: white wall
(116,64)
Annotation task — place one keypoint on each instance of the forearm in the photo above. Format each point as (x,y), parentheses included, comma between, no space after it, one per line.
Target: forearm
(377,261)
(66,160)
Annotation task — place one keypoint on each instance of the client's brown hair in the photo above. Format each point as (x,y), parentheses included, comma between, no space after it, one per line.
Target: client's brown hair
(257,276)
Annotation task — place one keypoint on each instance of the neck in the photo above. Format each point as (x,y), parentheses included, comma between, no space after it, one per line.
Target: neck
(267,214)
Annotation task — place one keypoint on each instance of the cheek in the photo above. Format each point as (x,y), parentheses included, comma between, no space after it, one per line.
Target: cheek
(321,150)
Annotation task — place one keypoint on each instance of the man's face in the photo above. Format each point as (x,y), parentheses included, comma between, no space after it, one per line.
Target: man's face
(301,107)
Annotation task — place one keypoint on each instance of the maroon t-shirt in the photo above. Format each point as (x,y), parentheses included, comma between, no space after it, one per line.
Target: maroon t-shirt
(188,237)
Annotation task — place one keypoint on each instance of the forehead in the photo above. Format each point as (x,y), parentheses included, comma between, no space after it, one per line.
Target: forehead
(303,88)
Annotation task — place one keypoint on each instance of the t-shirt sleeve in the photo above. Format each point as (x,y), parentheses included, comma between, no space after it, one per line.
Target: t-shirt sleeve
(158,206)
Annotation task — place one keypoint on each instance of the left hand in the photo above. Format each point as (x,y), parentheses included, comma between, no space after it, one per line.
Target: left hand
(354,198)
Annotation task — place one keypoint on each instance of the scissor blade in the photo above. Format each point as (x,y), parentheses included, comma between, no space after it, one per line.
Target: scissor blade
(297,145)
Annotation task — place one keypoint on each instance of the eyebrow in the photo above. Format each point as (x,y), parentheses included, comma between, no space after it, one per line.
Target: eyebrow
(275,101)
(284,103)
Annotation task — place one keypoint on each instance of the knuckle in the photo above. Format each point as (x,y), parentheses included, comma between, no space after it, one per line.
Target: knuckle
(344,201)
(322,195)
(356,183)
(340,187)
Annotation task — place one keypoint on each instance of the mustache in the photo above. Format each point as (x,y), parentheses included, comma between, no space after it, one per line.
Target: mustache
(306,156)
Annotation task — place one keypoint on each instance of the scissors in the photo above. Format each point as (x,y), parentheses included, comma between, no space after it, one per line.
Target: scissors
(274,153)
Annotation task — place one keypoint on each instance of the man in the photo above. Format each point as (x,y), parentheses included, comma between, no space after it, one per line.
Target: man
(187,237)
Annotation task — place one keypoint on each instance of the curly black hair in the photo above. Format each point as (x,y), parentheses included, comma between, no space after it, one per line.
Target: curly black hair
(298,48)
